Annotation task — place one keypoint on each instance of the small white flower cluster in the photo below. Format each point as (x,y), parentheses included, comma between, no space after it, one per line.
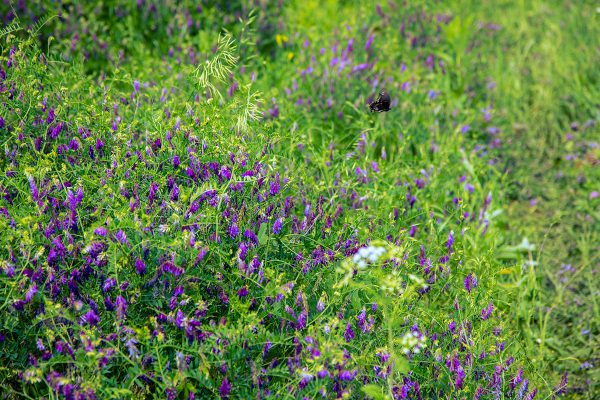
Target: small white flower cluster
(418,280)
(413,342)
(392,284)
(367,255)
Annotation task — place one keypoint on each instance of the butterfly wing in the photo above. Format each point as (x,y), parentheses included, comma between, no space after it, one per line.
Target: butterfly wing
(382,104)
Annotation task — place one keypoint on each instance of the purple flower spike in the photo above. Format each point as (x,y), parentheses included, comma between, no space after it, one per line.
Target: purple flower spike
(274,187)
(524,388)
(121,237)
(121,306)
(171,268)
(531,395)
(349,333)
(90,318)
(561,388)
(34,190)
(109,283)
(242,292)
(450,241)
(470,282)
(225,388)
(348,375)
(277,226)
(369,42)
(486,312)
(140,267)
(225,173)
(234,230)
(30,293)
(452,327)
(320,306)
(101,231)
(412,231)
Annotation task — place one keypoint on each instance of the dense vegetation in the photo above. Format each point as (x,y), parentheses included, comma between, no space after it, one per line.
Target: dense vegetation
(196,201)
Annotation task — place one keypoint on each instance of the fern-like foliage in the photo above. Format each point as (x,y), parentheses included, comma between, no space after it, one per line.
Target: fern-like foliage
(37,27)
(217,68)
(248,37)
(13,27)
(248,109)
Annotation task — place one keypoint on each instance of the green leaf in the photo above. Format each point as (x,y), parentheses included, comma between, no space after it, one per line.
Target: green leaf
(374,391)
(262,233)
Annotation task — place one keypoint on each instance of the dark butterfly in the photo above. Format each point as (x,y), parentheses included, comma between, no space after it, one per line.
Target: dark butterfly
(382,103)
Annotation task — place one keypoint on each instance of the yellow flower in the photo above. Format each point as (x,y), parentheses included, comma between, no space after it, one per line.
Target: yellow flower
(281,39)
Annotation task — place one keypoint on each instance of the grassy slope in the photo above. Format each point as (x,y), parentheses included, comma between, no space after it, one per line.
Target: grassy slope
(547,79)
(542,62)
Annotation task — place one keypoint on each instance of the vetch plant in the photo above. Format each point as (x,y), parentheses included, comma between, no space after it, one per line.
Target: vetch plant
(167,233)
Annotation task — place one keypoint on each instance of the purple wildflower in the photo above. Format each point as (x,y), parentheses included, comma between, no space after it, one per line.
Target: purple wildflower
(171,393)
(320,306)
(30,293)
(369,42)
(121,237)
(90,318)
(18,305)
(140,266)
(225,173)
(478,393)
(33,188)
(486,312)
(460,377)
(452,327)
(243,291)
(517,379)
(277,225)
(233,230)
(349,333)
(531,395)
(412,231)
(523,389)
(450,241)
(175,193)
(470,282)
(225,388)
(348,375)
(101,231)
(274,186)
(121,305)
(561,388)
(322,374)
(109,283)
(179,319)
(171,268)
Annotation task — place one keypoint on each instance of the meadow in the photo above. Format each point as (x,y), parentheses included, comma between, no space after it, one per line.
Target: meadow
(196,200)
